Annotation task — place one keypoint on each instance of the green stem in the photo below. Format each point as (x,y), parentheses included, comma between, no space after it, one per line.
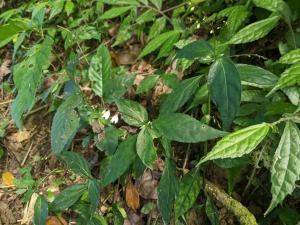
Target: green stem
(292,33)
(244,216)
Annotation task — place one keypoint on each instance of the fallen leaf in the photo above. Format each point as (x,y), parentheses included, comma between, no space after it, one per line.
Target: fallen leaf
(132,196)
(29,210)
(53,220)
(7,179)
(6,215)
(20,136)
(147,185)
(5,69)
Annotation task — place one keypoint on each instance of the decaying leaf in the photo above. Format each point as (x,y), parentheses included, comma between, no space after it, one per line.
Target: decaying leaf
(132,196)
(8,179)
(53,220)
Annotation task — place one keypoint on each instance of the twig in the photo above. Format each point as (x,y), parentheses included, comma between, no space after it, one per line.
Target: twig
(175,7)
(250,55)
(27,154)
(158,11)
(244,216)
(6,102)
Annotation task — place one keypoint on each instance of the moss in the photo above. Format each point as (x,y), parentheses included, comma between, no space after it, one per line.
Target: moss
(244,216)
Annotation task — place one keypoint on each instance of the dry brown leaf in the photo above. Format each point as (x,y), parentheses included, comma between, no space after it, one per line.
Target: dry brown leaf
(132,196)
(53,220)
(29,210)
(5,69)
(20,136)
(147,185)
(7,179)
(6,214)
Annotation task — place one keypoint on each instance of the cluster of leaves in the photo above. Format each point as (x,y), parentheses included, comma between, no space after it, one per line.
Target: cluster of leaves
(236,109)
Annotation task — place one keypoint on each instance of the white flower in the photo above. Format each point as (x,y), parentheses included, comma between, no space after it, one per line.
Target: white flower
(114,119)
(106,114)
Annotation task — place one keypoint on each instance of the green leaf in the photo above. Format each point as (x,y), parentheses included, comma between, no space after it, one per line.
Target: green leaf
(13,27)
(147,83)
(65,124)
(200,50)
(236,16)
(76,163)
(120,161)
(200,96)
(228,163)
(147,16)
(183,128)
(132,112)
(57,8)
(285,169)
(69,7)
(288,78)
(145,147)
(125,31)
(254,31)
(167,189)
(28,78)
(211,211)
(117,87)
(291,57)
(94,193)
(180,95)
(255,76)
(100,69)
(189,188)
(40,211)
(67,197)
(238,143)
(224,86)
(157,27)
(158,41)
(167,47)
(115,12)
(289,216)
(157,3)
(278,6)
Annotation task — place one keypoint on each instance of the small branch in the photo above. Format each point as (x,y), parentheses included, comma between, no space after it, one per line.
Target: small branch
(175,7)
(244,216)
(250,55)
(6,102)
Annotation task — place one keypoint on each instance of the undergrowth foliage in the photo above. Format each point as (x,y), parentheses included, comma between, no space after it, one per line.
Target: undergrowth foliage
(232,104)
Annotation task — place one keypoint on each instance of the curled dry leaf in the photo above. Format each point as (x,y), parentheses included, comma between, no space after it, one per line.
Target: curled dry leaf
(29,210)
(53,220)
(7,179)
(132,196)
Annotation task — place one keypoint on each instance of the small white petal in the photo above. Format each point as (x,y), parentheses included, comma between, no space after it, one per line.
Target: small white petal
(114,119)
(106,115)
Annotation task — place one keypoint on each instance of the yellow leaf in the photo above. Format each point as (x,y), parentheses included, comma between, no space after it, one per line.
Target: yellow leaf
(7,179)
(53,220)
(132,196)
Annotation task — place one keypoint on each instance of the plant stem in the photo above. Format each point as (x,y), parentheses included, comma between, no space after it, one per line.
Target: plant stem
(292,33)
(244,216)
(175,7)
